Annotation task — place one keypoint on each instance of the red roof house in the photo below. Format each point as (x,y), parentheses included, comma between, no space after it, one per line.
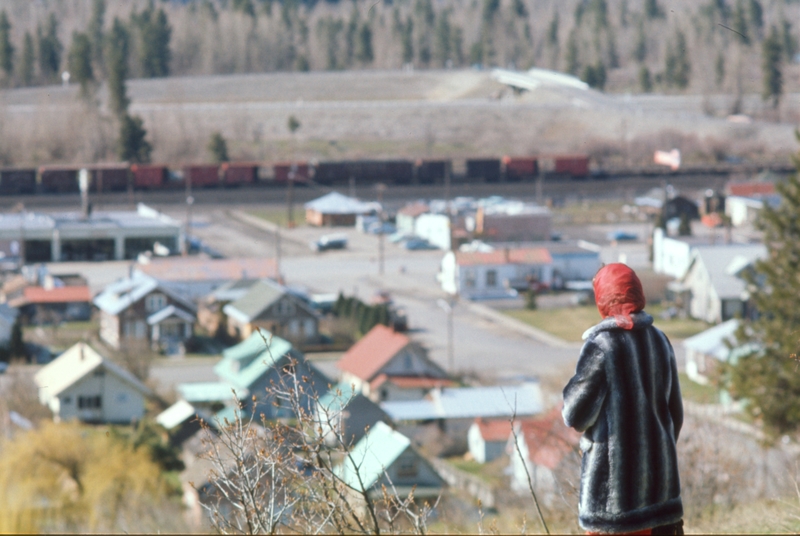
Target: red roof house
(42,305)
(387,365)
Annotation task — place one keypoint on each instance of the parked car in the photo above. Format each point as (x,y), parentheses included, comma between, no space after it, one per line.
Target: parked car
(385,228)
(326,242)
(620,236)
(414,244)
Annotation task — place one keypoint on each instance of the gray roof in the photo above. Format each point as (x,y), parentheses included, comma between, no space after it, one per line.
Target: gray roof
(470,403)
(714,341)
(168,311)
(144,218)
(258,298)
(336,203)
(724,263)
(121,294)
(232,290)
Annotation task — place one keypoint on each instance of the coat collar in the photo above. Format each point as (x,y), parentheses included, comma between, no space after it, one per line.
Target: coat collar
(640,320)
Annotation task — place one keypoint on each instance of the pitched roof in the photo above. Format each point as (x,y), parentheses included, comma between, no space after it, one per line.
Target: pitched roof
(247,361)
(75,363)
(338,397)
(232,290)
(121,294)
(469,403)
(713,340)
(200,392)
(548,439)
(336,203)
(414,209)
(374,350)
(411,382)
(168,311)
(57,294)
(202,269)
(177,413)
(496,430)
(372,455)
(504,256)
(724,262)
(257,298)
(751,189)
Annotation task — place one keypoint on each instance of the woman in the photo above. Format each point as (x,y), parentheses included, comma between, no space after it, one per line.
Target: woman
(626,399)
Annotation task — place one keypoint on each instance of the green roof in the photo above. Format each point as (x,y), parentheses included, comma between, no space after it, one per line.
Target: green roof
(243,364)
(338,397)
(371,456)
(258,297)
(198,392)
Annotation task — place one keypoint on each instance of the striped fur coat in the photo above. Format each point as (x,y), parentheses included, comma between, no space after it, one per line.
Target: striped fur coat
(626,399)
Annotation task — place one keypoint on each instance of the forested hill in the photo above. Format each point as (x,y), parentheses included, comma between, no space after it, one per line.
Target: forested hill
(705,46)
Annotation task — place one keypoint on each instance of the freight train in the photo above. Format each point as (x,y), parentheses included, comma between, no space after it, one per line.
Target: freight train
(54,179)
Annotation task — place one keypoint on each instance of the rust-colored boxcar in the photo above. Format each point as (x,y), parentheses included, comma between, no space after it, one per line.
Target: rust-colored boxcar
(282,169)
(237,173)
(202,176)
(148,177)
(573,165)
(108,177)
(520,168)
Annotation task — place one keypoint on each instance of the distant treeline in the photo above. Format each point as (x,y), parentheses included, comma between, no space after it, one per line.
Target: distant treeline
(625,44)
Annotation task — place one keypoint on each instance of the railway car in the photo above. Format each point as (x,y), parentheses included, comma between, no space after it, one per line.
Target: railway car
(148,177)
(517,169)
(281,170)
(237,173)
(329,173)
(17,181)
(58,179)
(202,176)
(573,165)
(484,169)
(108,177)
(431,171)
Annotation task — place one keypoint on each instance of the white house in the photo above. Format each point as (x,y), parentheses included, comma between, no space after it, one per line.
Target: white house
(487,439)
(672,255)
(706,349)
(435,228)
(713,286)
(495,274)
(81,384)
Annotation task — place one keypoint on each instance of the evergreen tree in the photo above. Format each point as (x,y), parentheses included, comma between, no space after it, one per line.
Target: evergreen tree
(788,41)
(444,40)
(552,30)
(767,377)
(6,48)
(685,226)
(677,67)
(16,347)
(79,61)
(154,37)
(457,45)
(771,68)
(645,80)
(364,52)
(611,49)
(519,9)
(132,145)
(116,55)
(407,41)
(600,10)
(95,31)
(623,13)
(719,69)
(218,148)
(350,37)
(573,63)
(640,48)
(755,14)
(652,10)
(28,61)
(338,306)
(50,49)
(595,75)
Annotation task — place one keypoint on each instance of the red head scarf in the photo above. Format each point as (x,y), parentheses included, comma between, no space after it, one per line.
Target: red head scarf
(618,293)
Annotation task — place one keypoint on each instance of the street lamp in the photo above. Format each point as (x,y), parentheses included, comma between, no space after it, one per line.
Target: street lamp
(448,308)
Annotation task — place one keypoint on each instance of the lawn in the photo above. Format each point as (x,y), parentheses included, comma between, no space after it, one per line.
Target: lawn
(569,323)
(694,392)
(280,215)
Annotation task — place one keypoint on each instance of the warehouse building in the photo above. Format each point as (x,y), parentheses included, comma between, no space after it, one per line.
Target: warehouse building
(77,236)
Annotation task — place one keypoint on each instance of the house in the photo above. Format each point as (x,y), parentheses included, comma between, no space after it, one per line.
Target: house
(182,421)
(255,367)
(209,309)
(8,321)
(706,349)
(713,289)
(680,207)
(513,221)
(53,305)
(495,274)
(745,210)
(487,439)
(544,447)
(335,209)
(384,351)
(81,384)
(345,411)
(435,228)
(271,306)
(385,457)
(407,216)
(142,309)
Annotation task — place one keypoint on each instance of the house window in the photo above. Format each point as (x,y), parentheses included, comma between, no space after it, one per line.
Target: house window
(407,468)
(491,278)
(469,278)
(67,400)
(408,362)
(90,402)
(294,328)
(155,302)
(285,308)
(309,329)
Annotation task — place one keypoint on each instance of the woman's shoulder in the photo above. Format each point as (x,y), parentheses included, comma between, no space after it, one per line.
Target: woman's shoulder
(641,320)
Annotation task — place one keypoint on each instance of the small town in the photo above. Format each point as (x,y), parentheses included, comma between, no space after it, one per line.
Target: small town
(410,267)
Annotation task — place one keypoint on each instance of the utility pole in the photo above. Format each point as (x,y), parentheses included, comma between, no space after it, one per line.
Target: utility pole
(380,187)
(278,277)
(189,203)
(290,196)
(447,173)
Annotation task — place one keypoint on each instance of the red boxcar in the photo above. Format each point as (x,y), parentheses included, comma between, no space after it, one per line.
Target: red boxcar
(282,170)
(236,173)
(576,166)
(520,168)
(148,177)
(108,177)
(202,176)
(58,179)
